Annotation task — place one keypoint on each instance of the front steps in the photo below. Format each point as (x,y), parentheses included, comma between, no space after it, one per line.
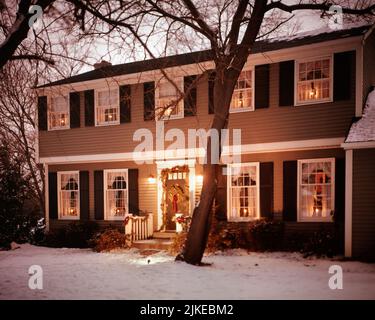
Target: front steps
(159,241)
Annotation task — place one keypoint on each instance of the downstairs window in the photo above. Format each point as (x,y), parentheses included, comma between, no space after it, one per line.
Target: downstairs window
(116,194)
(243,192)
(68,195)
(316,186)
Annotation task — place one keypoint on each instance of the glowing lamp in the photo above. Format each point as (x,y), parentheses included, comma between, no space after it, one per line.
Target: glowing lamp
(199,179)
(151,179)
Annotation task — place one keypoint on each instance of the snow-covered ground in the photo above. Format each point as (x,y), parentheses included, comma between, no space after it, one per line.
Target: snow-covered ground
(83,274)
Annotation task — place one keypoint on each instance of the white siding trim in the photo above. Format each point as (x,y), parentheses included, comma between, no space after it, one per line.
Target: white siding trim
(348,202)
(296,145)
(358,145)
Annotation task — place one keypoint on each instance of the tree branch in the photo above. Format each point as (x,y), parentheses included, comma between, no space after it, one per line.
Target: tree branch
(324,6)
(32,57)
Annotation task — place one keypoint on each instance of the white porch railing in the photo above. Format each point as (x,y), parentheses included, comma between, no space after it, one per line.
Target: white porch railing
(140,227)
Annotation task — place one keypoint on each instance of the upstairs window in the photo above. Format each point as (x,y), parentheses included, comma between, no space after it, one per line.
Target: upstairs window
(243,192)
(168,106)
(242,98)
(316,189)
(314,81)
(58,113)
(68,198)
(116,194)
(107,107)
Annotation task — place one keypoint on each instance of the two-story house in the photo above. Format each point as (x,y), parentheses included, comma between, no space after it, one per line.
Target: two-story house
(294,102)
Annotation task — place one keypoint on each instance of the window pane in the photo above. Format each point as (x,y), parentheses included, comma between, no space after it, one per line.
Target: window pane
(243,192)
(69,195)
(316,189)
(314,81)
(116,194)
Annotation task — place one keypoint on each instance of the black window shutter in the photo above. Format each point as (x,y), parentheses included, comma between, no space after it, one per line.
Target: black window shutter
(262,86)
(221,195)
(149,101)
(340,189)
(89,108)
(266,189)
(125,103)
(211,84)
(290,191)
(52,194)
(286,83)
(99,195)
(84,195)
(344,65)
(190,99)
(133,191)
(75,109)
(42,113)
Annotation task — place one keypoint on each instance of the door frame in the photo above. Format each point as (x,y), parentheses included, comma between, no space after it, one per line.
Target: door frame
(170,164)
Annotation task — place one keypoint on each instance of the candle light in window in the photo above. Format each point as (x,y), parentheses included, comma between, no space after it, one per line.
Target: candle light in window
(240,100)
(245,212)
(110,117)
(117,211)
(312,91)
(71,211)
(62,122)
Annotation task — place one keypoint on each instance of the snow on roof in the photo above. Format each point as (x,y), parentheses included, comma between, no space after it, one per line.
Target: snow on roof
(318,31)
(364,129)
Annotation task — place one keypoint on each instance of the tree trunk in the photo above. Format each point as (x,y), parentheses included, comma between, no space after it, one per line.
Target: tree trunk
(201,221)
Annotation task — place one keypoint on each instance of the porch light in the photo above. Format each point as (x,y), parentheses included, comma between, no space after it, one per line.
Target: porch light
(151,179)
(199,179)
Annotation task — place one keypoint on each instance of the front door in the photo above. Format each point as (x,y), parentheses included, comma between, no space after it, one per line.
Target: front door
(177,201)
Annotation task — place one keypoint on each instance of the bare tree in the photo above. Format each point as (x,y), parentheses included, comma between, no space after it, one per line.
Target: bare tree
(17,114)
(229,28)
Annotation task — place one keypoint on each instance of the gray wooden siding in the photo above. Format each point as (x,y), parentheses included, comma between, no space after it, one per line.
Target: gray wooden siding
(271,124)
(363,203)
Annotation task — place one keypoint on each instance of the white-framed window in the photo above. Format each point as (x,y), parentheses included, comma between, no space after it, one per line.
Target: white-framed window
(316,189)
(116,194)
(314,80)
(243,191)
(68,195)
(58,113)
(107,110)
(243,97)
(167,97)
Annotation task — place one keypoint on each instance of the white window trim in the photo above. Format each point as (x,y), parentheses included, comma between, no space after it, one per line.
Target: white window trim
(252,107)
(49,105)
(179,81)
(229,202)
(296,79)
(107,216)
(60,216)
(300,218)
(112,123)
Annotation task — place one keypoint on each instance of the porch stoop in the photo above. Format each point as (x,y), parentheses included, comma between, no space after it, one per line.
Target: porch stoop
(159,241)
